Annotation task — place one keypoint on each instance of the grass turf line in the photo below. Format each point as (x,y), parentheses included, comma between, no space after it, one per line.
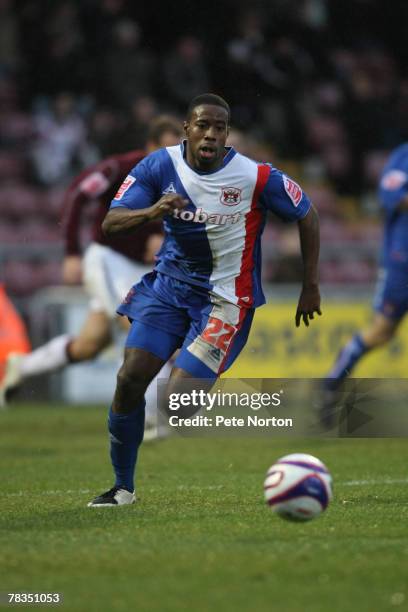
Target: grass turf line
(200,538)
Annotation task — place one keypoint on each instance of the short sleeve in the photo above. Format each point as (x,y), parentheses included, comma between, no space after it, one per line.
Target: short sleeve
(284,197)
(138,188)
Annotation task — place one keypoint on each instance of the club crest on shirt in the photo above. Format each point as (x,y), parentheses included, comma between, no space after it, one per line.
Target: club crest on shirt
(293,190)
(393,180)
(230,196)
(128,182)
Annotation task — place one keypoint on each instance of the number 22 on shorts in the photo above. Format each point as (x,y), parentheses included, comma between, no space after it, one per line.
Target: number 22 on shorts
(218,333)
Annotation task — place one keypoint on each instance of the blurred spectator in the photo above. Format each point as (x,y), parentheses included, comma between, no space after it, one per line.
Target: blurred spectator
(65,58)
(133,132)
(185,72)
(130,68)
(61,146)
(103,130)
(251,69)
(9,37)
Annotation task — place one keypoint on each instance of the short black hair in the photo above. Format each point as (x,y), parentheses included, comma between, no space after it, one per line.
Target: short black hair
(208,98)
(162,124)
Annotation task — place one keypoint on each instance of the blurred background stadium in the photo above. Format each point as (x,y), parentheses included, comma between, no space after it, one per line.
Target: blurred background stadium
(317,87)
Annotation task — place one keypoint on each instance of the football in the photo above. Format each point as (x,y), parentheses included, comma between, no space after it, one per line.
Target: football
(298,487)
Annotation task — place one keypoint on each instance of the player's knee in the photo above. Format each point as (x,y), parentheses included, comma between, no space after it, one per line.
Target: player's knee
(380,336)
(385,335)
(125,377)
(133,378)
(130,377)
(130,390)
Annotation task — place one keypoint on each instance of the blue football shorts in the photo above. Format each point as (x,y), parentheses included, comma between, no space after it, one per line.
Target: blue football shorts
(391,294)
(169,314)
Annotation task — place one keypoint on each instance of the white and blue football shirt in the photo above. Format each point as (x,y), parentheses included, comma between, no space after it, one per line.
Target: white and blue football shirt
(215,241)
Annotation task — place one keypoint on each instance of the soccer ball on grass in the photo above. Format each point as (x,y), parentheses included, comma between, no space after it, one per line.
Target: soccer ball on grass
(298,487)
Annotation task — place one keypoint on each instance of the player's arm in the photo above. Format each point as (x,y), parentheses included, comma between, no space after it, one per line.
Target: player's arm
(123,220)
(286,199)
(139,199)
(309,301)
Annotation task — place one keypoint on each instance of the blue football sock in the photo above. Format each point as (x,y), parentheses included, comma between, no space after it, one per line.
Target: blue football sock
(126,435)
(346,360)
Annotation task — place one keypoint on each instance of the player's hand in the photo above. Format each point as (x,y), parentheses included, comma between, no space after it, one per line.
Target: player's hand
(72,270)
(309,303)
(166,205)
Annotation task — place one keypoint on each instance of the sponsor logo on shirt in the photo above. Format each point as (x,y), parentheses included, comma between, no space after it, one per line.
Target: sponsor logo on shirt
(128,182)
(293,190)
(200,216)
(393,180)
(230,196)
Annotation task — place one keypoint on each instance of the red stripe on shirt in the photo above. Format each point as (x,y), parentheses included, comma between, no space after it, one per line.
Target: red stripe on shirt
(253,220)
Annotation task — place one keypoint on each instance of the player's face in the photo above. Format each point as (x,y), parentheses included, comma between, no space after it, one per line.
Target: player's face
(206,132)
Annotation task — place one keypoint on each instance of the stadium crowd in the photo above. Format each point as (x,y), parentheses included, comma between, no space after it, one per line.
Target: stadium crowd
(321,99)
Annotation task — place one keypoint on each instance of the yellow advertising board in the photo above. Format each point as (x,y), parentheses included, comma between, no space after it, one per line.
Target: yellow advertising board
(276,348)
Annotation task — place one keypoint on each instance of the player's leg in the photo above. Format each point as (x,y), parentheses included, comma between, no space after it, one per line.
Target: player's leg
(126,421)
(390,305)
(94,336)
(127,414)
(148,347)
(59,352)
(108,276)
(379,332)
(217,334)
(151,422)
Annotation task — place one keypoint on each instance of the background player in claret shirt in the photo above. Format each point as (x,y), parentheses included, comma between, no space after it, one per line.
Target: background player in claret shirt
(391,298)
(109,266)
(206,283)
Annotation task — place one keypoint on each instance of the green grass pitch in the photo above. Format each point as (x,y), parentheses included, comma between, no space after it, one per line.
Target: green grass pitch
(200,538)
